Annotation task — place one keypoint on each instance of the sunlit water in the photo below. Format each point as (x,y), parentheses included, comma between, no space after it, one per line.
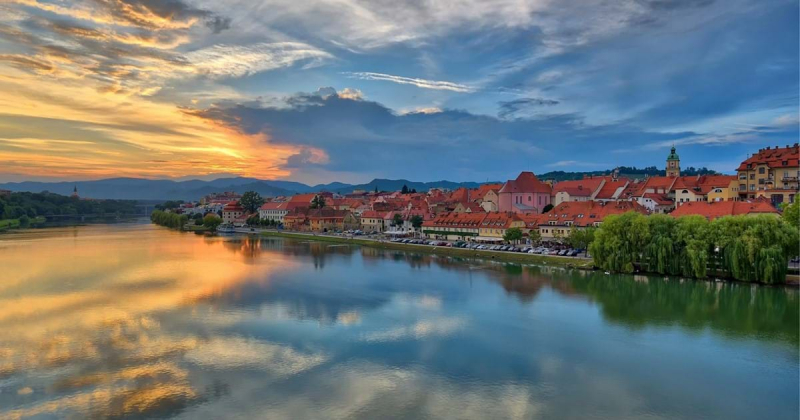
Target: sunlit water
(136,320)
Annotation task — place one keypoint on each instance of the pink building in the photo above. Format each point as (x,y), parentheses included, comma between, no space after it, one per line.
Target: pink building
(526,194)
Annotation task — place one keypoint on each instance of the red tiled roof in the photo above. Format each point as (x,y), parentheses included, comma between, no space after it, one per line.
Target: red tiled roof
(499,220)
(659,199)
(233,206)
(302,198)
(526,182)
(578,188)
(714,209)
(774,158)
(609,189)
(586,213)
(464,220)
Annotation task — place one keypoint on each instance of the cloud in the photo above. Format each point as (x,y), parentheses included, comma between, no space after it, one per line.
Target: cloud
(239,61)
(521,106)
(367,137)
(420,83)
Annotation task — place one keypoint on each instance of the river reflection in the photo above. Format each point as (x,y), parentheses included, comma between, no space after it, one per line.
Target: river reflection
(138,321)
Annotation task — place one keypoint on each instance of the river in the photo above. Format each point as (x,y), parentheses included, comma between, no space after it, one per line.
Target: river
(134,320)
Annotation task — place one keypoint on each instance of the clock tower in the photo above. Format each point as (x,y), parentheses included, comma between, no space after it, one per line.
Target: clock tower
(673,163)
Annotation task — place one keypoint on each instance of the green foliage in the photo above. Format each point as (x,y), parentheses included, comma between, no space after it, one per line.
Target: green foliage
(417,221)
(170,220)
(169,205)
(254,220)
(404,190)
(746,248)
(535,236)
(581,238)
(619,242)
(32,205)
(547,208)
(211,221)
(791,213)
(24,221)
(318,202)
(397,220)
(251,201)
(512,234)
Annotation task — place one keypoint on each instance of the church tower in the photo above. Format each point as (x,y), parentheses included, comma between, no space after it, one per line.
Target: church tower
(75,192)
(673,163)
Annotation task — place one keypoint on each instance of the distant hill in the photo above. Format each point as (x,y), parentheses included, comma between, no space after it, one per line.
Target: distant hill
(624,171)
(146,189)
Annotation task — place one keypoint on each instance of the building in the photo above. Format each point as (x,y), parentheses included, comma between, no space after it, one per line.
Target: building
(75,192)
(330,220)
(487,197)
(712,209)
(699,188)
(526,194)
(468,208)
(578,190)
(372,221)
(558,222)
(673,164)
(494,226)
(454,226)
(771,173)
(231,212)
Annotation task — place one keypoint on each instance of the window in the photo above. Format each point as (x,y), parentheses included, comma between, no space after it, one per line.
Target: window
(752,176)
(752,187)
(530,198)
(761,170)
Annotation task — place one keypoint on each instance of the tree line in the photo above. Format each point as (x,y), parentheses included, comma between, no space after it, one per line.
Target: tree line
(19,204)
(746,248)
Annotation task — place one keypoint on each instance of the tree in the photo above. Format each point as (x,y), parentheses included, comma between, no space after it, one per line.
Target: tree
(547,208)
(791,213)
(580,238)
(416,221)
(318,202)
(397,220)
(404,190)
(254,220)
(24,220)
(251,201)
(512,234)
(535,236)
(211,221)
(413,191)
(376,189)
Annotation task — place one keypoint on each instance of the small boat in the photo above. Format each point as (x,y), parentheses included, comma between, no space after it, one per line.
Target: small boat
(225,228)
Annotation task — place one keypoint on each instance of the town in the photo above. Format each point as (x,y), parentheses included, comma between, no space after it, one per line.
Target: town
(519,210)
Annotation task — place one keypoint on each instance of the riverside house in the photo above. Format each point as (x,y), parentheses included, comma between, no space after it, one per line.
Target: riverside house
(454,226)
(559,221)
(494,226)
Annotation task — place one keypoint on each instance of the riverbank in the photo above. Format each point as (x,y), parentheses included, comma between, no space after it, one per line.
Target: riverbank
(7,224)
(443,250)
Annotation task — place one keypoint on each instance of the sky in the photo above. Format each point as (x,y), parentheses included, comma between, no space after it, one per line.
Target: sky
(350,90)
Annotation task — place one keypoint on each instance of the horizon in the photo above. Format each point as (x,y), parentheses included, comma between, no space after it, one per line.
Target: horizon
(365,90)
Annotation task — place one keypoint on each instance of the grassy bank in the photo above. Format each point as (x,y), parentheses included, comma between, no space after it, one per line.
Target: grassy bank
(7,224)
(441,250)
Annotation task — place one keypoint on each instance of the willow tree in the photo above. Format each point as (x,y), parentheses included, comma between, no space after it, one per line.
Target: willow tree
(619,241)
(693,245)
(659,254)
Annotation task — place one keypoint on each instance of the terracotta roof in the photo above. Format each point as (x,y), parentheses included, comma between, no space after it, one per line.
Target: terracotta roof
(578,188)
(659,199)
(499,220)
(586,213)
(774,158)
(233,206)
(302,198)
(463,220)
(526,182)
(714,209)
(612,189)
(485,188)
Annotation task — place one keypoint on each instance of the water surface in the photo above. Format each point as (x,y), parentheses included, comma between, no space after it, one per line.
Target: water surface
(136,320)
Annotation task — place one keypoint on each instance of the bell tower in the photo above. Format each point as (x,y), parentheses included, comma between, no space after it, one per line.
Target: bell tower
(673,163)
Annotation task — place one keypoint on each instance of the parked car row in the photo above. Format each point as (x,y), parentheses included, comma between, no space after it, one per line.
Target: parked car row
(565,252)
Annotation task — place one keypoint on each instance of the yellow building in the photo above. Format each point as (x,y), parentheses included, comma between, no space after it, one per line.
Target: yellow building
(772,173)
(494,226)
